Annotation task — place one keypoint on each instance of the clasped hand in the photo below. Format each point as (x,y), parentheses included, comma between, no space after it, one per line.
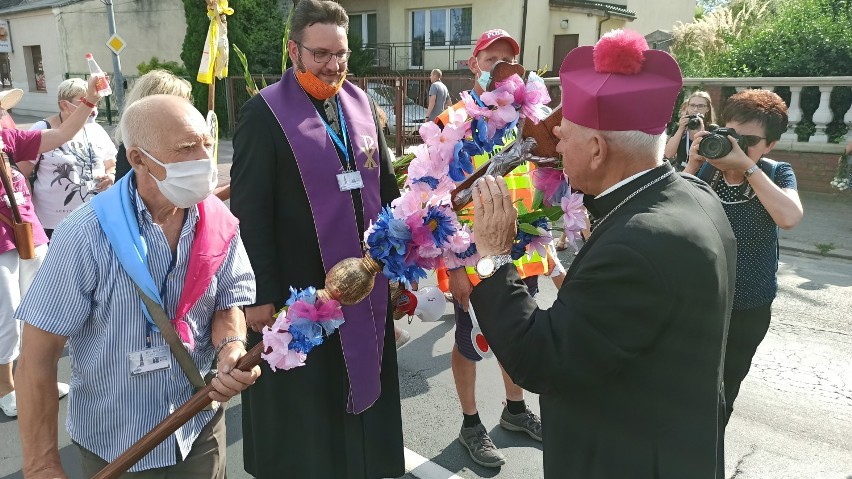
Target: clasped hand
(736,160)
(229,380)
(495,216)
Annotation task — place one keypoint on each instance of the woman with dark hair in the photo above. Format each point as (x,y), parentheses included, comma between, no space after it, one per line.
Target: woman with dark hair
(759,196)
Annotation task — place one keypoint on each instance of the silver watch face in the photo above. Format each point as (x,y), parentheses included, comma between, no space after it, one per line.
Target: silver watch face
(485,266)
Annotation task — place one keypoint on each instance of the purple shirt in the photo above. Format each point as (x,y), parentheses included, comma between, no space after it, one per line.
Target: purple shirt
(21,146)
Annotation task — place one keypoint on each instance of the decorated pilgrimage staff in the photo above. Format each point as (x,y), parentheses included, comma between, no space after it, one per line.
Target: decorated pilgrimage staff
(310,172)
(628,360)
(153,249)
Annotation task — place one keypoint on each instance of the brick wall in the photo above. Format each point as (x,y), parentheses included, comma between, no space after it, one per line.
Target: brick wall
(814,171)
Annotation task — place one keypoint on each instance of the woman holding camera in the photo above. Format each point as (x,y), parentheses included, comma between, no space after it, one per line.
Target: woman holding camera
(759,196)
(695,114)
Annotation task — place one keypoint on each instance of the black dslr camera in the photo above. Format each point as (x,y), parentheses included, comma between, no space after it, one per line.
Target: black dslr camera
(694,121)
(716,144)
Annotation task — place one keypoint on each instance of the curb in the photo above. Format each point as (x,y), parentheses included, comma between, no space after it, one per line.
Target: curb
(816,253)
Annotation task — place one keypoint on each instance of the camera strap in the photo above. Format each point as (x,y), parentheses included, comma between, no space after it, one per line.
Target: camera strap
(711,175)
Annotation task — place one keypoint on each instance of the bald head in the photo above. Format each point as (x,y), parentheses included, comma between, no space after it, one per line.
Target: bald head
(148,122)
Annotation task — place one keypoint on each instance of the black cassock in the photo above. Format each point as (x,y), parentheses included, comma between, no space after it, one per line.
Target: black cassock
(295,422)
(628,359)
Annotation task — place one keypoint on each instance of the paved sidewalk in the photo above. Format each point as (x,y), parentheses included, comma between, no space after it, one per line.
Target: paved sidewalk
(825,229)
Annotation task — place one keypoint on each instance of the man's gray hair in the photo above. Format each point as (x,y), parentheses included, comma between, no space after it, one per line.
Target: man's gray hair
(637,141)
(633,141)
(138,124)
(437,73)
(308,12)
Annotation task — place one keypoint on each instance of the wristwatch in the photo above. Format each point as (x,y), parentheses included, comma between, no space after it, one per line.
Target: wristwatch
(487,266)
(747,173)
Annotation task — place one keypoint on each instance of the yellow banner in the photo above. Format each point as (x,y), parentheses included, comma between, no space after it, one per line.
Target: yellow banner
(214,57)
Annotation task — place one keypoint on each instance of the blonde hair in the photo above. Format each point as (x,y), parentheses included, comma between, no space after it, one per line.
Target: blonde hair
(709,117)
(72,89)
(155,82)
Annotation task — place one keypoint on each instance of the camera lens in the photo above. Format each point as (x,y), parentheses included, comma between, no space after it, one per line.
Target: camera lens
(714,146)
(694,123)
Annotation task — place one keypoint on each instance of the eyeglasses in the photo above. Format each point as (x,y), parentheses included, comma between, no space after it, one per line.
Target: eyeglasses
(322,56)
(752,140)
(699,107)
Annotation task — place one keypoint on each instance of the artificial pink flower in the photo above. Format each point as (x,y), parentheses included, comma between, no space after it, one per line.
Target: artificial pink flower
(441,142)
(535,98)
(472,108)
(575,217)
(328,310)
(411,203)
(503,111)
(277,340)
(539,243)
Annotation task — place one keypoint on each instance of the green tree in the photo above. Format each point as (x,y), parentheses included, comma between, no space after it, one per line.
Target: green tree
(155,64)
(256,26)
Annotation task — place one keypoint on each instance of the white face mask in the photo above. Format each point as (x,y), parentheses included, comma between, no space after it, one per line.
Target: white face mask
(187,183)
(484,80)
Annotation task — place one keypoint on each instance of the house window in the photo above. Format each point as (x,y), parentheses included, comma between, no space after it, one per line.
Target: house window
(35,68)
(445,26)
(363,25)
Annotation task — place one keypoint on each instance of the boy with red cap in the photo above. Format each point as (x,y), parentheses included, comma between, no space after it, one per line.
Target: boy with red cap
(493,46)
(628,360)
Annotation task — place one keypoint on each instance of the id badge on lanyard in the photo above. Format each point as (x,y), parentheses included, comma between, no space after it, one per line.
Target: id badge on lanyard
(350,178)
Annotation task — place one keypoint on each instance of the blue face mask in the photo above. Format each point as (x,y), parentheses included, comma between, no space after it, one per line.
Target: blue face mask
(484,80)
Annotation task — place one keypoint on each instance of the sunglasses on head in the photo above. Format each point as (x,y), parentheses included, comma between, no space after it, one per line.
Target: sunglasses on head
(752,140)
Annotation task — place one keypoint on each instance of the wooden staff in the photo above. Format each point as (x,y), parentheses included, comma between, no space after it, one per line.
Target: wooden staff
(173,421)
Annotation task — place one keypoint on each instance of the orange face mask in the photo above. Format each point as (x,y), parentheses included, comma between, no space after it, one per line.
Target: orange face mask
(317,88)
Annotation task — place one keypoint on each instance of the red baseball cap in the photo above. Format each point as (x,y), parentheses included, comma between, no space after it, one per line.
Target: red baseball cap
(491,36)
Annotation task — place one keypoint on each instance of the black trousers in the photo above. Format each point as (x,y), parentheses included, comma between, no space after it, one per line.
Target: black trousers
(747,329)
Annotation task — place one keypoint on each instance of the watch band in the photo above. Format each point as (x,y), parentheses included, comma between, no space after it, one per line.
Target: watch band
(747,173)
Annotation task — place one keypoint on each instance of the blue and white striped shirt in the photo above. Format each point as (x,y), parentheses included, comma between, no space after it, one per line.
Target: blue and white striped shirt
(83,292)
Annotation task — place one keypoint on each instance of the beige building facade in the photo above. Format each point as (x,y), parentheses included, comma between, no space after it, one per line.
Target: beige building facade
(426,34)
(50,39)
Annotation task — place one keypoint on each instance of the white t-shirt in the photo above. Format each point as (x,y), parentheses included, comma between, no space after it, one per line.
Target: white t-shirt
(68,175)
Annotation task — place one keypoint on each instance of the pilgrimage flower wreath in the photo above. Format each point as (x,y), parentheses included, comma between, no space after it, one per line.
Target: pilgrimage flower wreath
(421,230)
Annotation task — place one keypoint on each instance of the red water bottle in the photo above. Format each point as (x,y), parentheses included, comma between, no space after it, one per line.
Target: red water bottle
(103,82)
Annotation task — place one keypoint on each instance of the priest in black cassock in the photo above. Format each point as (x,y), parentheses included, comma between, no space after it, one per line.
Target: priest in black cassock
(310,171)
(628,360)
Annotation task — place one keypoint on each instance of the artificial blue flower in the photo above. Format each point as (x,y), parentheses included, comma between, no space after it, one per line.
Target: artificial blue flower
(387,242)
(440,224)
(462,163)
(308,295)
(429,180)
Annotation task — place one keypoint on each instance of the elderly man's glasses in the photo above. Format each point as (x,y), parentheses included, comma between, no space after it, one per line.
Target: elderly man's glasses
(698,107)
(322,56)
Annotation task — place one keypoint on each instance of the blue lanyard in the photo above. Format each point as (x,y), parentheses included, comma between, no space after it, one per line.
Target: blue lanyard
(149,328)
(477,99)
(342,145)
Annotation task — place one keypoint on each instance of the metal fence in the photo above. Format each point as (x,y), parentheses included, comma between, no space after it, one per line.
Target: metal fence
(399,97)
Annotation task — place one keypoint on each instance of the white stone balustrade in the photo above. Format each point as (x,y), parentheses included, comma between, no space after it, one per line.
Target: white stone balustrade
(789,140)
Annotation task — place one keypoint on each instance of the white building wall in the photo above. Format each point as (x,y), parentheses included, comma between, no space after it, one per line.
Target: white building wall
(652,15)
(151,28)
(30,29)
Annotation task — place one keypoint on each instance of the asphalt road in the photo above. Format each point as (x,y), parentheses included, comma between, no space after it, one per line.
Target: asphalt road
(793,418)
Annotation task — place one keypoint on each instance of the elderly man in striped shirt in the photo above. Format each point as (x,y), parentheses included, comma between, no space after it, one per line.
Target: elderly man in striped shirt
(154,248)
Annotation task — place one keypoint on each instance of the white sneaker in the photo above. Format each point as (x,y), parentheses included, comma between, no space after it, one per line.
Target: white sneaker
(63,389)
(404,337)
(9,405)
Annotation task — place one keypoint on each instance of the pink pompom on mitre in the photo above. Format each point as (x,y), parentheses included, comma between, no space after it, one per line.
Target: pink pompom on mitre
(621,52)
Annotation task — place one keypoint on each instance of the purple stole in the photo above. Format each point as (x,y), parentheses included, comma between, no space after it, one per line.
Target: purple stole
(362,335)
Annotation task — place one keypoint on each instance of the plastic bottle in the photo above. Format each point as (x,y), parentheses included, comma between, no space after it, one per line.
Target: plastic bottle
(103,82)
